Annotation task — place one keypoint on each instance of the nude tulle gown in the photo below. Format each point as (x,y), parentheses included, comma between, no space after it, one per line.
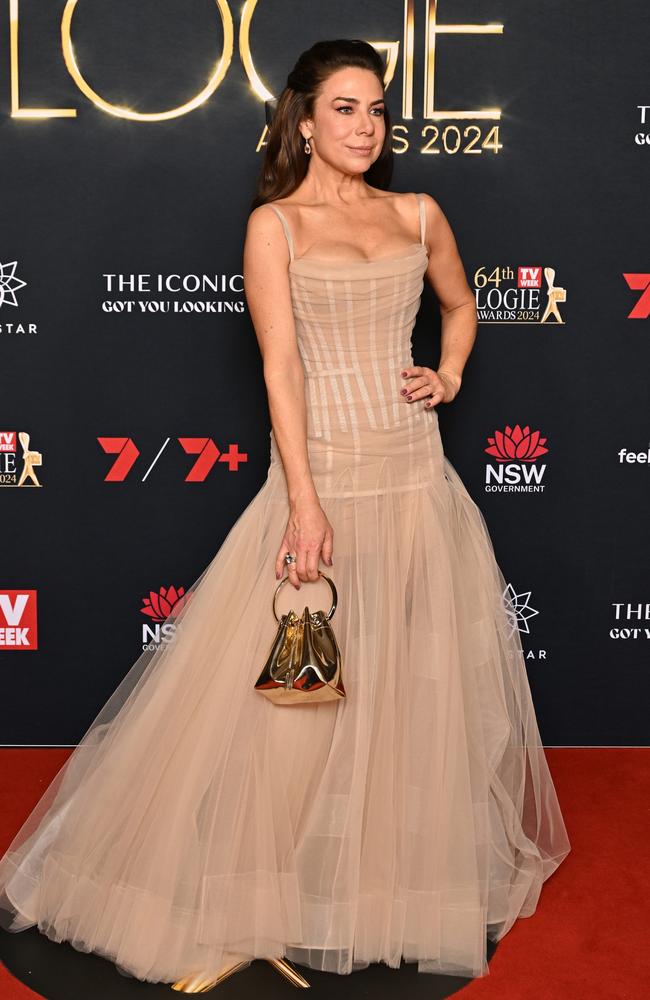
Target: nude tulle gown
(410,820)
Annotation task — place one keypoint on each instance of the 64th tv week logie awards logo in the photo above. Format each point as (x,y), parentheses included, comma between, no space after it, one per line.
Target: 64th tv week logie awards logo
(519,294)
(18,462)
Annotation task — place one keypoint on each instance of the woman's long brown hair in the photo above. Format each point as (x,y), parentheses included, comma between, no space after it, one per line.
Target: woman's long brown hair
(285,162)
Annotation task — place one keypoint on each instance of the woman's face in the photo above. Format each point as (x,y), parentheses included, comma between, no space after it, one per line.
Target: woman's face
(348,127)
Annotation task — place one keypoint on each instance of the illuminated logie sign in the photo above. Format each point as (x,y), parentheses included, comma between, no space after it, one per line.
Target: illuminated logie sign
(451,139)
(215,79)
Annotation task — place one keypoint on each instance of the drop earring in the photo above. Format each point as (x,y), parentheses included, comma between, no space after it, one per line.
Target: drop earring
(307,146)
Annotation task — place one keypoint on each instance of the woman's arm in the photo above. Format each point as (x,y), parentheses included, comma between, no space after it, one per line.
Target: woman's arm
(446,274)
(266,283)
(268,295)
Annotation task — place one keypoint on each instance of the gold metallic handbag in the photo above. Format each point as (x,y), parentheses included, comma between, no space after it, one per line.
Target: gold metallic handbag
(304,665)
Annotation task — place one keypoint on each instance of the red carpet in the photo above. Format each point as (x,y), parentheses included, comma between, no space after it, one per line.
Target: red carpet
(588,939)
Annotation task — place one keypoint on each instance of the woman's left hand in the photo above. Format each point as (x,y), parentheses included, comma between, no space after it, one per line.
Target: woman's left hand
(441,386)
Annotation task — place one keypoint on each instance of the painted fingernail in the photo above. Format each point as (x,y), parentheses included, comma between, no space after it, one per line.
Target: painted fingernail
(403,374)
(404,391)
(408,397)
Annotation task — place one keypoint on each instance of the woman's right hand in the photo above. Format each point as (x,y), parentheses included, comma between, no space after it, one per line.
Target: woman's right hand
(308,535)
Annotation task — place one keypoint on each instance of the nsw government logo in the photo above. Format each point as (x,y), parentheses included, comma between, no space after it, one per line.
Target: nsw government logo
(524,294)
(515,450)
(163,608)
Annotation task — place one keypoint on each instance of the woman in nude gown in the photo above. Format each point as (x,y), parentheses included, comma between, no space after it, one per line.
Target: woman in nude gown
(197,825)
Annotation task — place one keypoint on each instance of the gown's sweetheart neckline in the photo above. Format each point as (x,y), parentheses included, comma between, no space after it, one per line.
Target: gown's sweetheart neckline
(354,260)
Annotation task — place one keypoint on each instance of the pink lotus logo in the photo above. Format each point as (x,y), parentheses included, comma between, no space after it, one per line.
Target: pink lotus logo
(167,601)
(516,445)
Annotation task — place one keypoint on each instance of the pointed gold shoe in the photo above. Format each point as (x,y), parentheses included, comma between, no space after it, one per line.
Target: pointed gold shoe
(201,984)
(288,971)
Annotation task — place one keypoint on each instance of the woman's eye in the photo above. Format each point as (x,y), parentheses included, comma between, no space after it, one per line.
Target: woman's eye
(347,107)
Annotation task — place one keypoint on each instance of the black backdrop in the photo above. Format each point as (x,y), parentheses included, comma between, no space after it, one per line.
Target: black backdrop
(124,405)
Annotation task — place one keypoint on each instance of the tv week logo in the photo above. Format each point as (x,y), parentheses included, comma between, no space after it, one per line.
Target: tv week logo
(529,277)
(18,628)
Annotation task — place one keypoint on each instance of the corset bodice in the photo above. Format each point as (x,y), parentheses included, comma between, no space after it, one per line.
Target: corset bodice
(354,319)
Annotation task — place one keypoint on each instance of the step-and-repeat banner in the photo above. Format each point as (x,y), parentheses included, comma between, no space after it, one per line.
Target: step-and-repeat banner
(134,425)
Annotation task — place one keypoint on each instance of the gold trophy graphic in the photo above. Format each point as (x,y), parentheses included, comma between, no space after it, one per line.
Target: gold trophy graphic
(555,295)
(30,459)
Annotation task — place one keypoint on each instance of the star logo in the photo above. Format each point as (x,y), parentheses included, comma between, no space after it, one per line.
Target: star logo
(518,610)
(9,284)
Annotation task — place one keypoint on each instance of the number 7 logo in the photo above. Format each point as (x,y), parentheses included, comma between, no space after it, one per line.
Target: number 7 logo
(205,448)
(639,283)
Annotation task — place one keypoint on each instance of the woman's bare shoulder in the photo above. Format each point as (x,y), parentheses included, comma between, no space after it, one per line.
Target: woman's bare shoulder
(431,205)
(264,233)
(263,218)
(407,201)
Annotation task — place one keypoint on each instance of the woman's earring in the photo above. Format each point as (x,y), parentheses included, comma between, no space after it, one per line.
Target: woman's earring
(307,146)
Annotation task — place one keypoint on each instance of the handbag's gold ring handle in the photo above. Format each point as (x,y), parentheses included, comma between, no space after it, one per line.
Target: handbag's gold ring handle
(332,588)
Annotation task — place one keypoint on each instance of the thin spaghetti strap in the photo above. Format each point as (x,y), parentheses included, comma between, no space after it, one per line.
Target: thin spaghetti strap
(285,226)
(422,217)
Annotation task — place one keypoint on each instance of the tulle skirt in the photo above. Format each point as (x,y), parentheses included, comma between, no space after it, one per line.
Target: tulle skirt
(411,820)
